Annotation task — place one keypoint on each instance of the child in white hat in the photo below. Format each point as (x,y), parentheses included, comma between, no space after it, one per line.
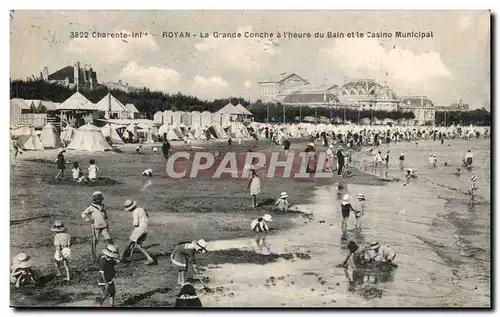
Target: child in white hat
(260,227)
(473,187)
(62,243)
(282,204)
(346,208)
(21,272)
(361,210)
(139,233)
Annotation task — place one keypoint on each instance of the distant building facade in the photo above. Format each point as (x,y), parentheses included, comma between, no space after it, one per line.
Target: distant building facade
(367,94)
(125,87)
(421,106)
(73,77)
(270,88)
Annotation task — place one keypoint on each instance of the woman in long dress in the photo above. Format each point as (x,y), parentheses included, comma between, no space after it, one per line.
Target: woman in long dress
(254,186)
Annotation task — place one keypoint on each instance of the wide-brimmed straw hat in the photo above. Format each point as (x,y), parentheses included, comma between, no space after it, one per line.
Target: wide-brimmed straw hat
(112,252)
(130,205)
(22,260)
(331,146)
(268,218)
(58,226)
(361,196)
(374,245)
(202,244)
(283,195)
(346,199)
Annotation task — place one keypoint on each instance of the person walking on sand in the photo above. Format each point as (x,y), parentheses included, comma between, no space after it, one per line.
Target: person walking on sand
(468,158)
(16,147)
(254,186)
(107,274)
(229,142)
(401,161)
(139,233)
(286,147)
(184,253)
(96,215)
(361,210)
(329,158)
(346,207)
(61,164)
(93,169)
(473,188)
(165,147)
(340,161)
(62,243)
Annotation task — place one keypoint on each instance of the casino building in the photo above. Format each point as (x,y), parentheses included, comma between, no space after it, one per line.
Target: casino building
(363,94)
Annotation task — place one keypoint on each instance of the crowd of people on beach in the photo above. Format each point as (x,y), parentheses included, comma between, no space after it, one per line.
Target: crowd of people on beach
(184,253)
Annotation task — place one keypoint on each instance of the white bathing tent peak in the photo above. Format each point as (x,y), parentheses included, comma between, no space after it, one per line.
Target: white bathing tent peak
(110,105)
(109,131)
(243,110)
(89,138)
(50,138)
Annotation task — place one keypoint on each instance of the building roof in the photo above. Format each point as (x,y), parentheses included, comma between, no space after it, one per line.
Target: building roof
(310,99)
(110,101)
(417,101)
(131,108)
(77,102)
(280,77)
(63,73)
(243,110)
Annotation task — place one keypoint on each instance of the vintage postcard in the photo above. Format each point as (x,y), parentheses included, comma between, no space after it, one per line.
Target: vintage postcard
(250,159)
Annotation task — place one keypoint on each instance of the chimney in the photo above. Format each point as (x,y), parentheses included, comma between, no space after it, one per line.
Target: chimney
(46,73)
(109,105)
(85,78)
(76,75)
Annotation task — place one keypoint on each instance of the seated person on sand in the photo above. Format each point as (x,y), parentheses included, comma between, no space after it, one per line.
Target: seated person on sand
(78,176)
(381,253)
(411,173)
(148,172)
(457,172)
(21,273)
(282,204)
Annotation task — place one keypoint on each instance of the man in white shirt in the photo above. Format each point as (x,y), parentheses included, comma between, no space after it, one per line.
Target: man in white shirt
(139,233)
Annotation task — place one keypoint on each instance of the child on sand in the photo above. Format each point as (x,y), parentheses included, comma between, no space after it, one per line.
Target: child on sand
(183,253)
(147,172)
(110,257)
(187,297)
(62,243)
(93,169)
(346,208)
(21,273)
(61,164)
(260,227)
(473,188)
(282,204)
(361,210)
(457,171)
(77,173)
(254,186)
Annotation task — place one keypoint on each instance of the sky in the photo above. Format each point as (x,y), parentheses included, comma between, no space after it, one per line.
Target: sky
(453,65)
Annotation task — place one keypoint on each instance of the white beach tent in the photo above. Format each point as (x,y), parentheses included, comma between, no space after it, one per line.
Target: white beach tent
(30,141)
(50,138)
(109,131)
(89,138)
(172,135)
(158,117)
